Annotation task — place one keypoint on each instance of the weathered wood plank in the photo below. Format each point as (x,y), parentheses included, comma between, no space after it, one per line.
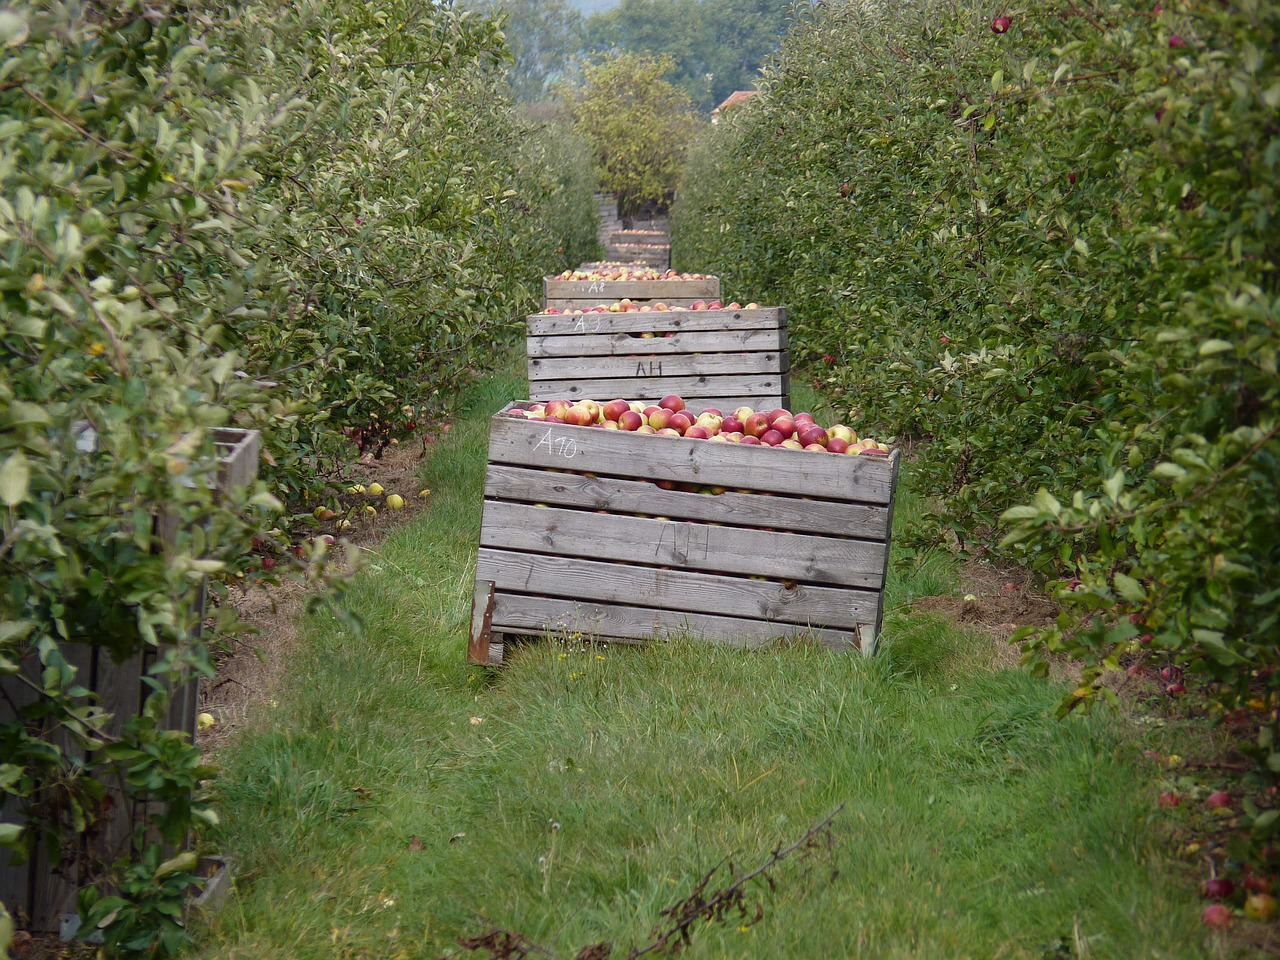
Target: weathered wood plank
(531,443)
(695,546)
(830,517)
(596,580)
(625,345)
(659,321)
(478,650)
(706,289)
(686,387)
(675,365)
(582,303)
(553,617)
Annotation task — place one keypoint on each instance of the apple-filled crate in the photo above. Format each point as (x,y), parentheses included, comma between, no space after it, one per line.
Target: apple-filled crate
(581,289)
(721,358)
(621,535)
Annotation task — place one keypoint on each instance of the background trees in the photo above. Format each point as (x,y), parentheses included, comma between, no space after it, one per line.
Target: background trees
(637,123)
(1046,243)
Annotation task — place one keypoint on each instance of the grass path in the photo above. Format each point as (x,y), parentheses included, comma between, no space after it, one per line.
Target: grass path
(396,799)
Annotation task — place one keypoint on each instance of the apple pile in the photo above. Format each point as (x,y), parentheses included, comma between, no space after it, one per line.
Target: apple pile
(626,305)
(627,271)
(668,417)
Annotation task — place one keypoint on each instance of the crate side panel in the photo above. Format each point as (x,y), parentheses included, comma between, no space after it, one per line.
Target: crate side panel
(596,580)
(696,546)
(619,495)
(674,365)
(658,321)
(625,345)
(688,388)
(532,443)
(515,614)
(705,289)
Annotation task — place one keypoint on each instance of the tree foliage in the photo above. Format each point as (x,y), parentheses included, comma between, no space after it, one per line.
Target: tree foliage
(638,125)
(718,46)
(544,36)
(303,220)
(1048,243)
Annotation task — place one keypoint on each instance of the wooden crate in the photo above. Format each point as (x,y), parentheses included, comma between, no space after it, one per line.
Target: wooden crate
(40,895)
(580,294)
(581,535)
(710,358)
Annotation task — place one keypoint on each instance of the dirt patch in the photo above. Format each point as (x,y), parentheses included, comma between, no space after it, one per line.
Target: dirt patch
(251,671)
(996,600)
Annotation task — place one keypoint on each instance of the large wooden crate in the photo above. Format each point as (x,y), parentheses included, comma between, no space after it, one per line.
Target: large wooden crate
(581,294)
(710,358)
(40,893)
(587,532)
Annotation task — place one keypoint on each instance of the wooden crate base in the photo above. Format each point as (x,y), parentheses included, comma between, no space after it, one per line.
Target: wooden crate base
(621,537)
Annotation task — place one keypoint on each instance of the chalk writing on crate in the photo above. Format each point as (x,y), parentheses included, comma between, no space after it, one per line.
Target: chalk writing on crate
(558,446)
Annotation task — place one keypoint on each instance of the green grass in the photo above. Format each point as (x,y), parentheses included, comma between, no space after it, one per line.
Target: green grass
(973,824)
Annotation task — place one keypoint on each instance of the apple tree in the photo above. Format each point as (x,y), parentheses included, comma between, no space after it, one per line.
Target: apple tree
(637,123)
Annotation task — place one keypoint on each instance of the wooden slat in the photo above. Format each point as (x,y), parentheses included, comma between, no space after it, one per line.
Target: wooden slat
(685,387)
(478,650)
(694,546)
(553,617)
(688,321)
(708,289)
(624,345)
(595,580)
(677,365)
(862,479)
(582,303)
(792,514)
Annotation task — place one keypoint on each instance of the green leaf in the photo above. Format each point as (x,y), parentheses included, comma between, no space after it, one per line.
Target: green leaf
(1129,588)
(10,834)
(15,479)
(1114,485)
(1213,348)
(184,861)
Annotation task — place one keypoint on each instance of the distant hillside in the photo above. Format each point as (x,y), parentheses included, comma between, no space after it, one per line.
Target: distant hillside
(588,7)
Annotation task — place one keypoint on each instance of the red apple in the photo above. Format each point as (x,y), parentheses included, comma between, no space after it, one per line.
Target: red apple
(630,420)
(672,403)
(812,434)
(1169,799)
(615,408)
(750,441)
(791,443)
(697,432)
(668,432)
(775,413)
(785,425)
(659,417)
(1217,888)
(1000,24)
(1216,915)
(771,438)
(755,425)
(557,408)
(1219,798)
(837,445)
(579,416)
(815,448)
(800,418)
(646,429)
(680,422)
(731,424)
